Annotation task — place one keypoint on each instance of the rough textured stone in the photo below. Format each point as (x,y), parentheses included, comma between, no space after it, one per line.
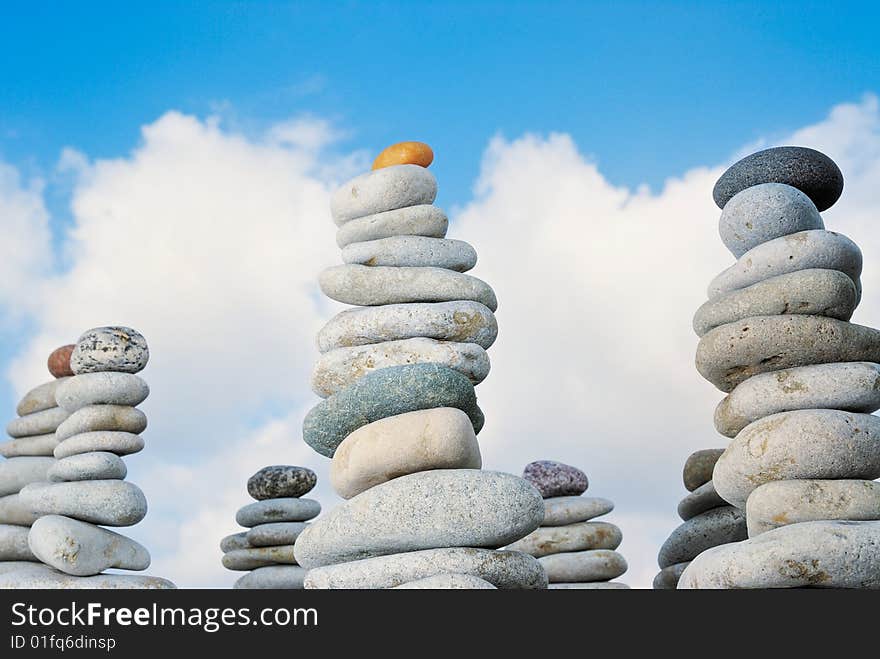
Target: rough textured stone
(708,529)
(448,582)
(383,190)
(272,577)
(795,445)
(698,467)
(43,577)
(584,566)
(280,481)
(424,220)
(11,566)
(59,361)
(503,569)
(105,388)
(33,446)
(120,443)
(731,354)
(14,544)
(119,349)
(404,153)
(589,585)
(273,535)
(93,418)
(555,479)
(13,511)
(808,170)
(667,578)
(277,510)
(439,438)
(560,511)
(235,541)
(40,398)
(699,501)
(849,386)
(99,465)
(15,473)
(385,393)
(573,537)
(38,423)
(826,554)
(428,510)
(254,557)
(412,252)
(378,285)
(107,502)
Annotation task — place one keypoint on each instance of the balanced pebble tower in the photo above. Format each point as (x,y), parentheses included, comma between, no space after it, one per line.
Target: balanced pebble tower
(400,414)
(575,551)
(274,521)
(801,383)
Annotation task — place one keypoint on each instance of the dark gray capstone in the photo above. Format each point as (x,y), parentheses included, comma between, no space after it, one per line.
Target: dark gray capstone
(281,481)
(698,467)
(556,479)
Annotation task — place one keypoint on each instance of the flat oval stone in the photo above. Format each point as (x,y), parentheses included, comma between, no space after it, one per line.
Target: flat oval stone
(13,511)
(104,388)
(277,510)
(83,550)
(713,527)
(385,393)
(790,502)
(35,445)
(281,481)
(95,466)
(404,153)
(462,321)
(427,510)
(584,566)
(423,220)
(94,418)
(119,349)
(379,285)
(15,473)
(274,535)
(383,190)
(808,292)
(272,577)
(38,423)
(43,577)
(826,554)
(120,443)
(11,566)
(815,249)
(698,467)
(14,544)
(447,582)
(439,438)
(549,540)
(108,502)
(59,361)
(764,212)
(667,578)
(235,541)
(337,369)
(589,585)
(555,479)
(849,386)
(40,398)
(795,445)
(731,354)
(503,569)
(249,559)
(560,511)
(699,501)
(412,252)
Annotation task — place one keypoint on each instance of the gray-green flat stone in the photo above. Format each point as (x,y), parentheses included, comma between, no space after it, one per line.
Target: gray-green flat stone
(560,511)
(103,388)
(35,446)
(272,577)
(93,418)
(275,534)
(572,537)
(422,220)
(584,566)
(107,502)
(699,501)
(667,578)
(254,557)
(698,467)
(412,252)
(713,527)
(40,398)
(381,190)
(38,423)
(15,473)
(235,541)
(277,510)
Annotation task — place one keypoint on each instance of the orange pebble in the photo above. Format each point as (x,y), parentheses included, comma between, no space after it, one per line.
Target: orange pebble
(59,361)
(405,153)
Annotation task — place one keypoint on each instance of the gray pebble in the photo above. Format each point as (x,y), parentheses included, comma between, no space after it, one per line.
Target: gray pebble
(589,585)
(277,510)
(699,501)
(549,540)
(235,541)
(667,578)
(120,443)
(35,446)
(38,423)
(448,581)
(555,479)
(249,559)
(14,544)
(281,481)
(104,388)
(272,577)
(43,577)
(560,511)
(15,473)
(698,467)
(119,349)
(40,398)
(107,502)
(92,418)
(11,566)
(273,535)
(584,566)
(381,190)
(713,527)
(99,465)
(411,252)
(423,220)
(13,511)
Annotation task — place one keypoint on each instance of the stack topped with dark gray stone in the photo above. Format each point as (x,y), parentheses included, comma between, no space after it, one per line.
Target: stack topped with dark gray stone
(400,414)
(274,522)
(575,550)
(801,384)
(85,488)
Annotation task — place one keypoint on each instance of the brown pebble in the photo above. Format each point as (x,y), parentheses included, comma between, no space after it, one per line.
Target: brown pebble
(59,361)
(405,153)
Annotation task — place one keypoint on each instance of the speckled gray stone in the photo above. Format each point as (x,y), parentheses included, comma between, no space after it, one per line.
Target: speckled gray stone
(447,582)
(14,544)
(589,585)
(83,550)
(808,170)
(119,349)
(339,368)
(40,398)
(38,423)
(764,212)
(816,249)
(15,473)
(34,446)
(107,502)
(800,444)
(120,443)
(11,566)
(98,465)
(584,566)
(277,510)
(708,529)
(43,577)
(826,554)
(254,557)
(730,354)
(850,386)
(423,220)
(426,510)
(371,286)
(383,190)
(572,537)
(789,502)
(235,541)
(462,321)
(272,577)
(807,292)
(412,252)
(385,393)
(92,418)
(556,479)
(280,481)
(503,569)
(667,578)
(560,511)
(699,501)
(105,388)
(13,511)
(698,467)
(273,535)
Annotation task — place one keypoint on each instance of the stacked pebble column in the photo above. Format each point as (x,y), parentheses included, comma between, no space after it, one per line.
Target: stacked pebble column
(575,552)
(801,383)
(28,459)
(400,416)
(274,522)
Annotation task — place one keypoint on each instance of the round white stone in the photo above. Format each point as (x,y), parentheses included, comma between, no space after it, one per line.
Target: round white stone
(99,465)
(104,388)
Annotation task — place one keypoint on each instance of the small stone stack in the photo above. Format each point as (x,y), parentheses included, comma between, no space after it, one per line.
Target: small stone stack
(87,486)
(28,459)
(801,383)
(709,520)
(274,522)
(400,416)
(575,552)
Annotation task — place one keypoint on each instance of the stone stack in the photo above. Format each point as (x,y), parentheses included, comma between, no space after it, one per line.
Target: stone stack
(274,522)
(400,417)
(575,551)
(28,459)
(801,383)
(86,489)
(709,520)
